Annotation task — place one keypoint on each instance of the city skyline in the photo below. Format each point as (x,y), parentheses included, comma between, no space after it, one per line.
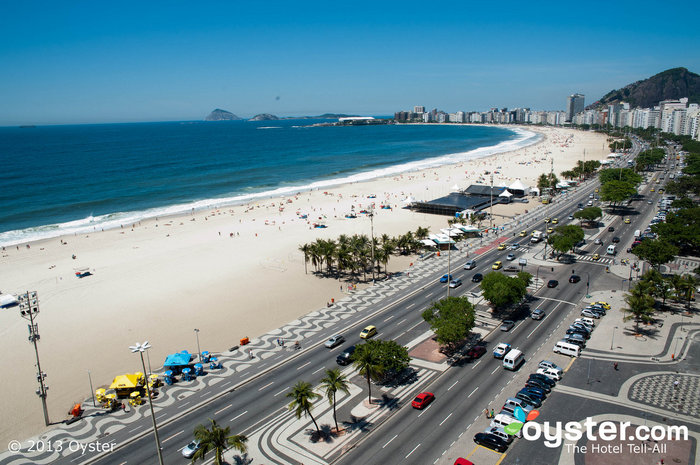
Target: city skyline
(91,63)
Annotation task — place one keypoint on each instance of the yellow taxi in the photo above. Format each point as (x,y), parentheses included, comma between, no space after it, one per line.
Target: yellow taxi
(550,230)
(627,221)
(595,256)
(596,191)
(652,189)
(502,246)
(523,233)
(545,201)
(605,305)
(497,266)
(369,331)
(547,220)
(658,181)
(555,220)
(661,191)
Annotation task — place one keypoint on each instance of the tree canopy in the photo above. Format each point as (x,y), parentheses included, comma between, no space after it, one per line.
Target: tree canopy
(565,237)
(501,290)
(656,251)
(589,214)
(451,319)
(682,229)
(617,191)
(619,174)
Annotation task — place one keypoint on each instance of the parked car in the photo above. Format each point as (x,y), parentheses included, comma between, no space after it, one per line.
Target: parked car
(529,398)
(507,325)
(536,391)
(538,314)
(590,314)
(580,332)
(552,283)
(345,357)
(422,400)
(603,304)
(470,265)
(476,351)
(491,441)
(544,378)
(548,364)
(368,332)
(501,350)
(445,278)
(477,278)
(334,341)
(455,283)
(538,383)
(501,433)
(574,278)
(548,372)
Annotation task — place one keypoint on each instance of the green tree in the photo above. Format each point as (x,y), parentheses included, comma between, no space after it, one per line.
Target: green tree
(617,191)
(393,357)
(333,382)
(640,305)
(688,285)
(217,439)
(589,215)
(367,362)
(656,252)
(303,395)
(451,319)
(682,229)
(619,174)
(306,250)
(565,238)
(501,290)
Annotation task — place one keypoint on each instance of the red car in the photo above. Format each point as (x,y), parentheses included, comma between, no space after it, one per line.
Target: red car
(461,461)
(476,351)
(422,400)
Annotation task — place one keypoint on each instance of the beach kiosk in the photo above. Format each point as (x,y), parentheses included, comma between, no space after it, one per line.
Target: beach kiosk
(124,385)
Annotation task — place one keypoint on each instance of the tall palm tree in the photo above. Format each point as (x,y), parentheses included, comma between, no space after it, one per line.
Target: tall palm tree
(688,283)
(306,250)
(367,363)
(386,251)
(640,305)
(303,395)
(217,439)
(421,233)
(333,382)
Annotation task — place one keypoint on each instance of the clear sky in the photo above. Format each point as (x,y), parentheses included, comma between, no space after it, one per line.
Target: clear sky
(94,61)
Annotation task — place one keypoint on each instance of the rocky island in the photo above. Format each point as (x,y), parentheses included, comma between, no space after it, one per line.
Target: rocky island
(221,115)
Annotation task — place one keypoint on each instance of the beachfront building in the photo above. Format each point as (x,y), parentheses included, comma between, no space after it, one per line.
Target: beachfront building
(574,106)
(476,197)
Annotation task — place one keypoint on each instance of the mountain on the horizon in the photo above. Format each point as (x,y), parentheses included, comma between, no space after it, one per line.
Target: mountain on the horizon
(221,115)
(670,84)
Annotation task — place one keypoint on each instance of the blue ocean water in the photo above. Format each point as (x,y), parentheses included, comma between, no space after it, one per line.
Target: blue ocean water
(64,179)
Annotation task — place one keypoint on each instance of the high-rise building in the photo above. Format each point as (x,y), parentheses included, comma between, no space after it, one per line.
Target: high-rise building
(574,105)
(418,109)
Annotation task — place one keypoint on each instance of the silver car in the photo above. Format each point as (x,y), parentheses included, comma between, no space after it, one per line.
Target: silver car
(189,450)
(334,341)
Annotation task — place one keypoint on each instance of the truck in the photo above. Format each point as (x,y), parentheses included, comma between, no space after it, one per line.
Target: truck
(537,236)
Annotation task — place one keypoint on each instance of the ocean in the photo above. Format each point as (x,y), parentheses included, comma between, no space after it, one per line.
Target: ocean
(77,178)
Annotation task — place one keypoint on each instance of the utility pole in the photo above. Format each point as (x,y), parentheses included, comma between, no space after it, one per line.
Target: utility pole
(29,306)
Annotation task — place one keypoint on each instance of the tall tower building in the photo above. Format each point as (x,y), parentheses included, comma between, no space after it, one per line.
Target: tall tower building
(574,105)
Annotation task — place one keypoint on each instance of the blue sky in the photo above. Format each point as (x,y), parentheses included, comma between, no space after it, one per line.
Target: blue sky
(90,62)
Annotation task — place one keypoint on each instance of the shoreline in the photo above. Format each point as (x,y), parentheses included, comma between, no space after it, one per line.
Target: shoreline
(231,272)
(115,220)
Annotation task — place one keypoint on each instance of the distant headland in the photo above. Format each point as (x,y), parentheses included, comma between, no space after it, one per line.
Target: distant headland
(223,115)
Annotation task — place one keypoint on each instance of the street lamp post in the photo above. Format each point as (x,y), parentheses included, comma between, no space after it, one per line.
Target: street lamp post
(196,331)
(371,222)
(28,308)
(588,283)
(612,340)
(449,248)
(141,348)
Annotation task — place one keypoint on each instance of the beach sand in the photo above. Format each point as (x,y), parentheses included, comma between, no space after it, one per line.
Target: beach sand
(230,272)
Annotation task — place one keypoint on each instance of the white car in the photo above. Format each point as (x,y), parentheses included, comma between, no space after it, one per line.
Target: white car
(501,350)
(189,450)
(334,341)
(549,373)
(470,265)
(548,364)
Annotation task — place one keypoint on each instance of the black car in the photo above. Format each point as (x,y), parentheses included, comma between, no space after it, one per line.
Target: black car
(530,399)
(583,333)
(534,382)
(611,229)
(536,391)
(477,278)
(344,358)
(573,339)
(491,441)
(574,278)
(579,327)
(552,283)
(545,379)
(616,239)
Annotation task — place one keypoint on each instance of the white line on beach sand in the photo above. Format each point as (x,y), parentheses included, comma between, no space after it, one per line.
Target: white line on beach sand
(222,409)
(281,391)
(176,434)
(302,366)
(470,394)
(395,436)
(267,385)
(239,416)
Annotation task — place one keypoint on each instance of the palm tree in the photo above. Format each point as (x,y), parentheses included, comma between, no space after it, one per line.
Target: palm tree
(640,305)
(303,395)
(333,382)
(421,233)
(306,250)
(386,251)
(217,439)
(366,362)
(688,283)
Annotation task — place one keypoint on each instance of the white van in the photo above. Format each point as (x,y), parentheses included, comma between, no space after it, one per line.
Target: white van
(611,249)
(513,360)
(564,348)
(501,421)
(637,234)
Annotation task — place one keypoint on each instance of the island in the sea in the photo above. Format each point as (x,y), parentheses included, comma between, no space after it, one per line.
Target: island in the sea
(221,115)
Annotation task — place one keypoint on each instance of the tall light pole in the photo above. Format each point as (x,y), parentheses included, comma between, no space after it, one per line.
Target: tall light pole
(196,331)
(141,348)
(371,225)
(491,207)
(28,307)
(588,283)
(612,340)
(449,248)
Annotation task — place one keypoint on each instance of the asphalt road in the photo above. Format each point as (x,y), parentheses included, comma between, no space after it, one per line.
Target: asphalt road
(418,437)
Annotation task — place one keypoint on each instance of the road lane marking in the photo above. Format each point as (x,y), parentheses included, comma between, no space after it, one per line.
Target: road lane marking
(306,364)
(494,370)
(412,305)
(414,449)
(414,326)
(134,429)
(389,441)
(443,421)
(176,434)
(453,385)
(268,385)
(281,391)
(401,321)
(226,383)
(474,366)
(238,416)
(425,410)
(322,368)
(222,409)
(473,392)
(182,405)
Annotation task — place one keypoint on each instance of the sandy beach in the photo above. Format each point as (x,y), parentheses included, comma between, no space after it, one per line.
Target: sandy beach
(230,272)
